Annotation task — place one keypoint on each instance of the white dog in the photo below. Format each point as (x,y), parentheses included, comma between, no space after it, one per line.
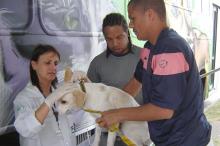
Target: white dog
(101,98)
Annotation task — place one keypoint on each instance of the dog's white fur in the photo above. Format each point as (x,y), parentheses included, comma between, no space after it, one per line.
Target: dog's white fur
(101,97)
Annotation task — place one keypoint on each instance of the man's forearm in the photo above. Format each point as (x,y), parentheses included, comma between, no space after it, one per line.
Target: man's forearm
(133,87)
(148,112)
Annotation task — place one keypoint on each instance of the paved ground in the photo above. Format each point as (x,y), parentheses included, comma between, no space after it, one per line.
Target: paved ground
(216,133)
(213,116)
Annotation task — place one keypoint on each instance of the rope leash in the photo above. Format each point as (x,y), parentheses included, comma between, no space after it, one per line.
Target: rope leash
(125,139)
(114,128)
(82,86)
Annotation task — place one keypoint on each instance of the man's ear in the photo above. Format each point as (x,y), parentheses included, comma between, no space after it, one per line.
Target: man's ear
(80,97)
(152,15)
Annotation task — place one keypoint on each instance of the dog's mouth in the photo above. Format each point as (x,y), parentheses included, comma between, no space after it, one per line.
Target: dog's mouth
(68,111)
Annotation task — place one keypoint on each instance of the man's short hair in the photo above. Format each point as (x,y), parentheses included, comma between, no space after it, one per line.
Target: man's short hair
(157,5)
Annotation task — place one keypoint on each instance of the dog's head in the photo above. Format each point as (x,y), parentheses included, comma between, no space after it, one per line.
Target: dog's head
(74,100)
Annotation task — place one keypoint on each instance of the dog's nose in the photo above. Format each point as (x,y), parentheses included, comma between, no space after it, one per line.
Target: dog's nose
(63,101)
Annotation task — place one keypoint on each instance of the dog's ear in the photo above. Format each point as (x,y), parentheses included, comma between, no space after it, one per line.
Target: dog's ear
(68,75)
(80,97)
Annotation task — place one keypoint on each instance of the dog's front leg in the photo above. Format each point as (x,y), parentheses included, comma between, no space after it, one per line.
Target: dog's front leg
(98,131)
(111,138)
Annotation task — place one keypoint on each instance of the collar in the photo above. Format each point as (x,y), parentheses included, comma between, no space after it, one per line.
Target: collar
(163,34)
(82,86)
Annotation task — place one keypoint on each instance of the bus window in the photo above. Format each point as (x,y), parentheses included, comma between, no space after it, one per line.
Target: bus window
(64,15)
(15,17)
(81,17)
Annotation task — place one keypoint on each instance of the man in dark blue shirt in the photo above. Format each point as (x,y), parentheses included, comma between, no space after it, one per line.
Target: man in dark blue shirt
(171,85)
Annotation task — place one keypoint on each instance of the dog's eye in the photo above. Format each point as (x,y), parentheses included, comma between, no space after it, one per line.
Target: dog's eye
(63,102)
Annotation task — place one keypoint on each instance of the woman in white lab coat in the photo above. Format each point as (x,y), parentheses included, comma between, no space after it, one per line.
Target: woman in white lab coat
(37,121)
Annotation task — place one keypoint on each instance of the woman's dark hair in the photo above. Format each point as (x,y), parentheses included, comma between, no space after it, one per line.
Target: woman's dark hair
(38,51)
(113,19)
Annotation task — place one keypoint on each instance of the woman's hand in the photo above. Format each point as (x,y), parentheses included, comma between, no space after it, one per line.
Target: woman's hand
(58,93)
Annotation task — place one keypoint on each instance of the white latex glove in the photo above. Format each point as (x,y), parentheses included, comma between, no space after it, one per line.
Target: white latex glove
(80,75)
(58,93)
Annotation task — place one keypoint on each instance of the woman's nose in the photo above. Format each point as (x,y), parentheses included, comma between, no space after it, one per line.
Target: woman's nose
(53,65)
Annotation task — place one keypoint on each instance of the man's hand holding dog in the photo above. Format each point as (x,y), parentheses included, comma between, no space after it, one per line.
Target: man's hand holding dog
(109,118)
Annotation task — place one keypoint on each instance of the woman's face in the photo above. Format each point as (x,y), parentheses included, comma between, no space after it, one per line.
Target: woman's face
(46,66)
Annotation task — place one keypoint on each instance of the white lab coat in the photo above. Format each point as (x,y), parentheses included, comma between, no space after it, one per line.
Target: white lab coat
(32,133)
